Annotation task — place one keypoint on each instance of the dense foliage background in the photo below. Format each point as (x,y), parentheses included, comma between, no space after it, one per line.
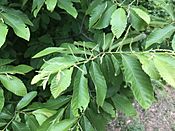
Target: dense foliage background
(73,64)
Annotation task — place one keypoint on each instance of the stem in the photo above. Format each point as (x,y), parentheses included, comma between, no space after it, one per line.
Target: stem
(10,121)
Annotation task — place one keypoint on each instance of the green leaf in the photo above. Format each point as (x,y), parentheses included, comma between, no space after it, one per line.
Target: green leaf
(52,103)
(22,69)
(96,119)
(109,38)
(137,22)
(67,5)
(140,82)
(48,51)
(116,65)
(61,82)
(2,99)
(64,125)
(165,66)
(31,122)
(99,82)
(26,100)
(167,6)
(86,125)
(2,123)
(92,5)
(80,98)
(19,126)
(123,104)
(51,4)
(13,84)
(3,33)
(159,35)
(118,22)
(36,6)
(148,66)
(142,14)
(18,25)
(72,49)
(5,61)
(19,14)
(104,21)
(107,107)
(97,13)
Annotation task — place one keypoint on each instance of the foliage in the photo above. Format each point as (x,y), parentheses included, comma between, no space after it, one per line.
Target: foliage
(73,64)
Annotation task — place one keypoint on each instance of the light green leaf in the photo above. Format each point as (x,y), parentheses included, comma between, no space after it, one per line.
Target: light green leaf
(13,84)
(3,33)
(51,4)
(159,35)
(165,66)
(2,99)
(26,100)
(52,121)
(173,43)
(80,98)
(36,6)
(59,63)
(18,25)
(148,66)
(140,82)
(97,13)
(118,22)
(48,51)
(60,82)
(142,14)
(123,104)
(67,5)
(99,82)
(64,125)
(39,77)
(104,21)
